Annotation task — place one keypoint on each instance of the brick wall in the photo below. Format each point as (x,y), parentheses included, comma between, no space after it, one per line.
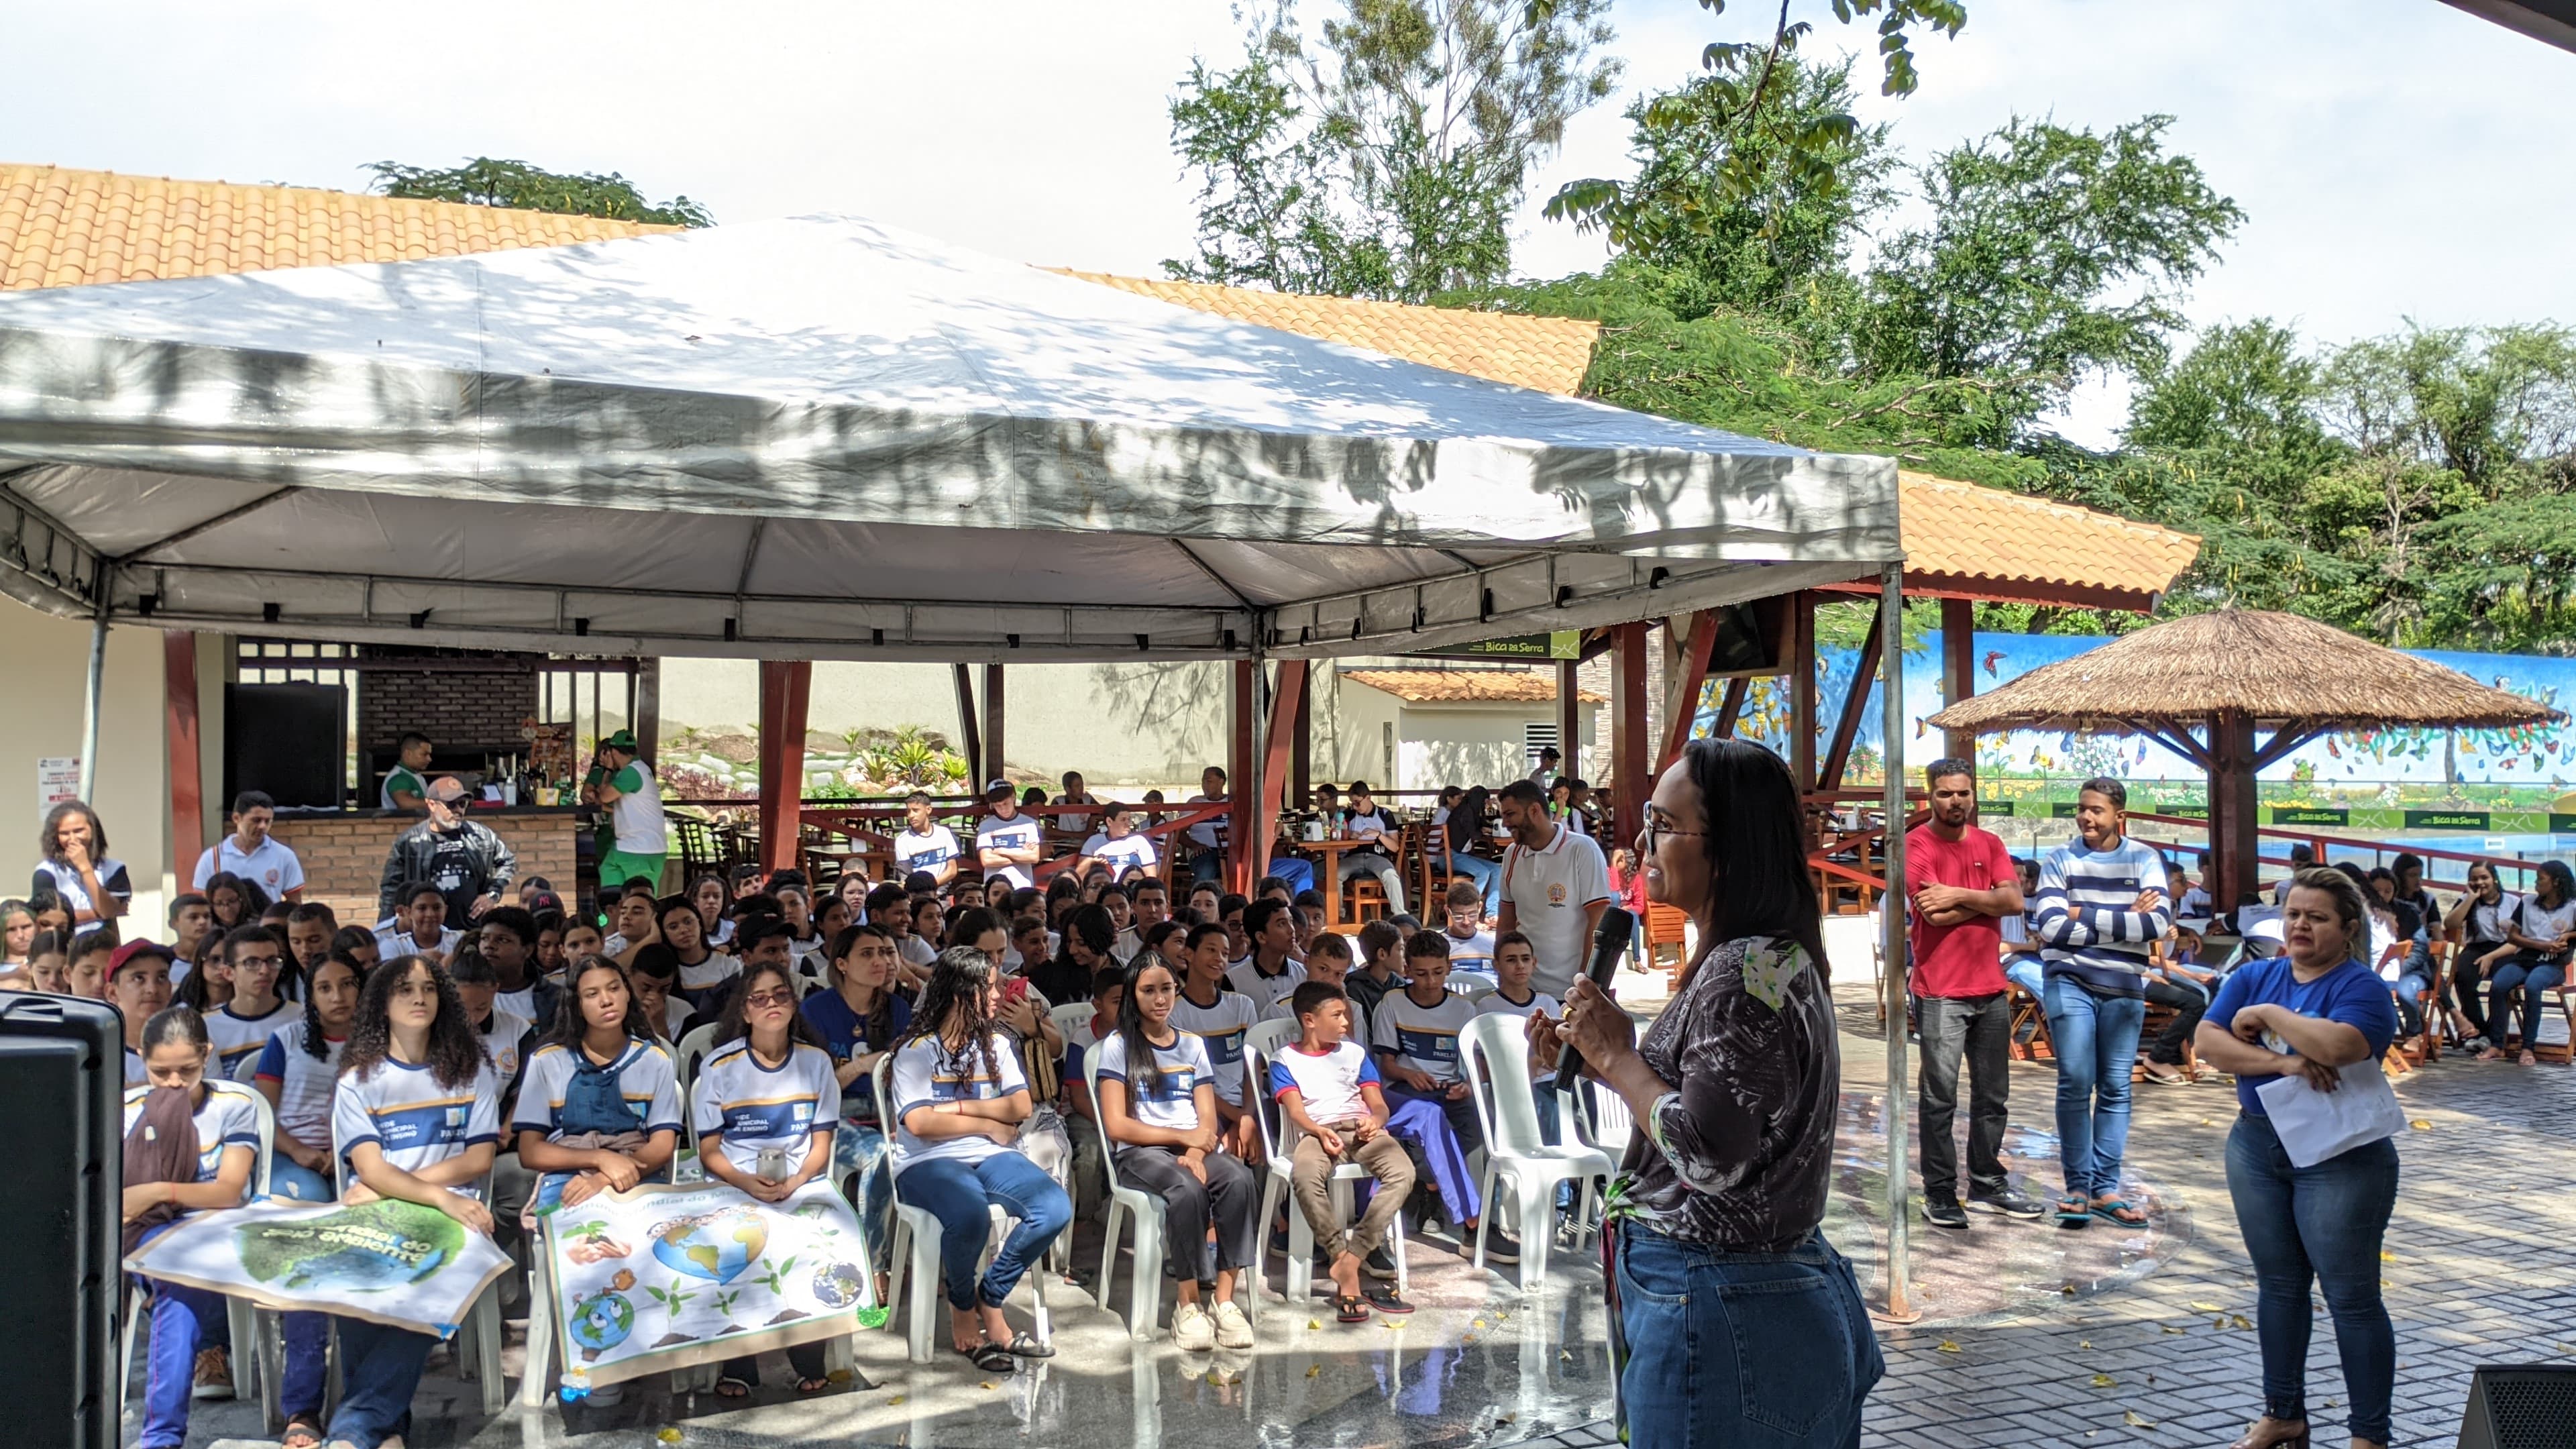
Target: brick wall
(451,707)
(344,855)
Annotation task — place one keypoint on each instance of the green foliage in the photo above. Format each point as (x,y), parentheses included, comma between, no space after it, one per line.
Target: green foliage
(1386,158)
(483,181)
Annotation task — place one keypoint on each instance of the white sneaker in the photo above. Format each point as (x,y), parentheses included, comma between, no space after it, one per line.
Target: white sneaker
(1233,1330)
(1192,1330)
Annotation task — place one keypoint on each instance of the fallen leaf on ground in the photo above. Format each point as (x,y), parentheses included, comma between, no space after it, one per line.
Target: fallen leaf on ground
(2218,1323)
(2104,1381)
(2176,1331)
(1313,1369)
(2208,1122)
(2130,1418)
(2083,1343)
(1564,1356)
(897,1399)
(2237,1320)
(1949,1346)
(1314,1323)
(667,1435)
(2421,1124)
(2386,1256)
(2207,1308)
(986,1384)
(1479,1323)
(2068,1289)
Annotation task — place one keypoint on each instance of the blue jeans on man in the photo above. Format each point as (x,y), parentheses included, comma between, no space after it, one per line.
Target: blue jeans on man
(2096,1042)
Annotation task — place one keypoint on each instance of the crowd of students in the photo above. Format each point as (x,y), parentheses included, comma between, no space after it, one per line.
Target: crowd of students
(495,1068)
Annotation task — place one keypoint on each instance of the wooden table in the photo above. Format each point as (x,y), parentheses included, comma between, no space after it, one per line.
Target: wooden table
(1327,856)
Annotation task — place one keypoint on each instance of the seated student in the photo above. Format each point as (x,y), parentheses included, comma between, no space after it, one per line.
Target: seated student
(508,938)
(655,980)
(767,1101)
(1222,1018)
(358,944)
(923,919)
(507,1036)
(1157,1109)
(419,924)
(253,956)
(49,966)
(599,1104)
(1028,945)
(1083,953)
(2022,960)
(959,1099)
(2543,937)
(308,932)
(966,895)
(632,919)
(580,938)
(1269,972)
(1416,1037)
(1152,901)
(1327,1088)
(1515,962)
(414,1116)
(297,1072)
(191,921)
(138,986)
(1206,900)
(709,893)
(2478,921)
(1328,960)
(206,1143)
(1169,940)
(1117,845)
(1381,959)
(550,936)
(1471,946)
(858,1020)
(90,953)
(2185,983)
(704,971)
(1081,1116)
(234,900)
(1120,902)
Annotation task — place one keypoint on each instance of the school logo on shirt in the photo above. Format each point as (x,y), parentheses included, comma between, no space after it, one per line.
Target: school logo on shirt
(785,1117)
(1424,1044)
(965,1084)
(1176,1085)
(1225,1048)
(1556,893)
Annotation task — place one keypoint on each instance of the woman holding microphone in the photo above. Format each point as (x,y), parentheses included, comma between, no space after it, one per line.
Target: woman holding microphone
(1736,1322)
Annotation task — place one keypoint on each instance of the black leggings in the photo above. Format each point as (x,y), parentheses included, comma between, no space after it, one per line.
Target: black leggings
(1230,1198)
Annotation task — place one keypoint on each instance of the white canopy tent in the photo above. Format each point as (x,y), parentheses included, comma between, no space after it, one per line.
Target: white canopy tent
(823,438)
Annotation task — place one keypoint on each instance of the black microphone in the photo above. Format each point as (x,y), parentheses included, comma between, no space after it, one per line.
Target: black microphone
(1609,943)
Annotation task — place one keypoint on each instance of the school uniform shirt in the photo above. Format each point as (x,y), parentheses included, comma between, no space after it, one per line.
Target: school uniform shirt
(506,1038)
(1285,1009)
(390,944)
(65,882)
(645,1078)
(1551,890)
(1126,946)
(304,1081)
(2351,993)
(1020,832)
(761,1108)
(1222,1027)
(1472,953)
(1245,977)
(917,952)
(1133,852)
(1208,834)
(845,1035)
(924,1074)
(1495,1003)
(2485,925)
(224,1119)
(703,984)
(636,815)
(1355,825)
(1169,1101)
(237,1039)
(403,778)
(925,849)
(273,867)
(412,1120)
(1424,1038)
(2542,923)
(1329,1081)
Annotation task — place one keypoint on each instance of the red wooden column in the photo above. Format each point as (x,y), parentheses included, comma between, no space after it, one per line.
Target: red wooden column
(2233,816)
(1246,852)
(1631,769)
(786,685)
(970,735)
(1802,689)
(1569,720)
(187,777)
(1682,693)
(1301,742)
(1958,671)
(1287,709)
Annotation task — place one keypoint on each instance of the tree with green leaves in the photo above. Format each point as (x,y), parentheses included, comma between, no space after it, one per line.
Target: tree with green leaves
(483,181)
(1386,156)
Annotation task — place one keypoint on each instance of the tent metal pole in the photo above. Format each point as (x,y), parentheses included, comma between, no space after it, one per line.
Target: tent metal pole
(1891,924)
(90,697)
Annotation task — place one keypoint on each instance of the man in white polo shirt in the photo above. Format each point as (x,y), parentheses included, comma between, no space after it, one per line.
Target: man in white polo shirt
(1555,885)
(252,853)
(925,844)
(1006,841)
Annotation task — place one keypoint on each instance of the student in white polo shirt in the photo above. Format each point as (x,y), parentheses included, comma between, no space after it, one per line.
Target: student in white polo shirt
(925,844)
(1416,1034)
(599,1102)
(252,853)
(1007,841)
(298,1073)
(1555,886)
(1117,842)
(1268,971)
(1222,1019)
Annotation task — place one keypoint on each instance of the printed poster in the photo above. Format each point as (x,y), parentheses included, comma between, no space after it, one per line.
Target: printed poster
(396,1263)
(666,1276)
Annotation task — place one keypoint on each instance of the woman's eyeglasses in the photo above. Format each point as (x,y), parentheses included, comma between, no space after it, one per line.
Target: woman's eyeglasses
(1655,828)
(763,1000)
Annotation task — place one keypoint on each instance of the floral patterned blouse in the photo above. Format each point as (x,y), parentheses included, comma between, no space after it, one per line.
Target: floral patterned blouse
(1738,1156)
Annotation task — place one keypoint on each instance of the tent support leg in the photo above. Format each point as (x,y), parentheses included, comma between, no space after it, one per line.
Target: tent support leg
(1891,920)
(90,698)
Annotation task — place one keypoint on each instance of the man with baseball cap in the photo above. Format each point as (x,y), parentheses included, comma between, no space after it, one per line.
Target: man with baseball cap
(633,799)
(138,985)
(469,863)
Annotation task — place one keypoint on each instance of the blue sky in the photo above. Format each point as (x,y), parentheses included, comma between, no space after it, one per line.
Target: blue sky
(2398,159)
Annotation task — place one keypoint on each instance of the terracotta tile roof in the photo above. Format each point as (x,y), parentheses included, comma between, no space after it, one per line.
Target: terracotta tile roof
(1468,686)
(1992,544)
(62,228)
(1547,353)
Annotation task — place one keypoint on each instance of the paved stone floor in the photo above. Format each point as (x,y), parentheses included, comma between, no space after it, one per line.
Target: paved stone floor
(2482,1269)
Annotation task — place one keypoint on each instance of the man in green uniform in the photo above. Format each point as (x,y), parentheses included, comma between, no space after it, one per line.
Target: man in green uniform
(405,789)
(633,800)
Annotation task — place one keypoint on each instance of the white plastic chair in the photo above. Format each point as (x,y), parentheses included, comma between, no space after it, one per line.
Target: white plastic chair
(1145,1293)
(690,1052)
(1067,1017)
(1494,1054)
(1598,1118)
(1279,1143)
(541,1300)
(916,1248)
(239,1315)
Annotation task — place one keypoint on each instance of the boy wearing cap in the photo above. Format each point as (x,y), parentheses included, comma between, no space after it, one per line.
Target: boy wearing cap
(633,800)
(138,982)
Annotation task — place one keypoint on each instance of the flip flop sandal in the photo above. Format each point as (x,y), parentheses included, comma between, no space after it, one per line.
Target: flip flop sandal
(812,1386)
(1350,1310)
(992,1358)
(302,1432)
(1385,1301)
(2073,1211)
(1024,1346)
(740,1389)
(2112,1210)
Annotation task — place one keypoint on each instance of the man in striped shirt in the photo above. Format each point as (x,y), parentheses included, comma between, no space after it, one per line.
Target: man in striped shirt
(2100,906)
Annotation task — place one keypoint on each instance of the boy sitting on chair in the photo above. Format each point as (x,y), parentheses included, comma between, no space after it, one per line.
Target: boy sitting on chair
(1328,1089)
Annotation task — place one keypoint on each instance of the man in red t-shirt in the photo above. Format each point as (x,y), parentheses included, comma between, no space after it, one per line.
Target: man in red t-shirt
(1961,883)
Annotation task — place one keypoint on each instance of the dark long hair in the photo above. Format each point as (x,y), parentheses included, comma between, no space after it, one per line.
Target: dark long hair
(570,1026)
(252,898)
(1065,980)
(2560,878)
(49,835)
(1141,1061)
(730,1028)
(1467,817)
(973,922)
(455,1047)
(880,1022)
(958,980)
(1759,884)
(313,1014)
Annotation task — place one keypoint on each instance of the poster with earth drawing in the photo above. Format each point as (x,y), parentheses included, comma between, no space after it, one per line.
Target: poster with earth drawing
(397,1263)
(667,1276)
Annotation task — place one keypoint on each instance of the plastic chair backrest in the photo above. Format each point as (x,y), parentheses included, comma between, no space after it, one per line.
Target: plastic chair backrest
(1494,1052)
(1067,1017)
(1278,1134)
(1269,1036)
(878,1076)
(1612,1122)
(267,1131)
(691,1051)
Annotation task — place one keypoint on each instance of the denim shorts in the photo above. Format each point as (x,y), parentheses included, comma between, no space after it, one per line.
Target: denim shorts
(1746,1350)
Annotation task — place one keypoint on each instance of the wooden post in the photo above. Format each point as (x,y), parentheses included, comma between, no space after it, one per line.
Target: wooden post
(1242,716)
(179,733)
(1682,691)
(1632,771)
(1802,689)
(647,719)
(1731,708)
(1301,741)
(2234,819)
(1959,671)
(1569,718)
(1887,641)
(1287,706)
(1855,700)
(993,709)
(970,735)
(786,685)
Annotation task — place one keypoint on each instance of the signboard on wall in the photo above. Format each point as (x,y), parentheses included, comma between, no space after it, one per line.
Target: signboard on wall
(57,780)
(1562,644)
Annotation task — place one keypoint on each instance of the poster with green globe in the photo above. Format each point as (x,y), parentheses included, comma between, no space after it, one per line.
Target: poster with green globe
(397,1263)
(665,1277)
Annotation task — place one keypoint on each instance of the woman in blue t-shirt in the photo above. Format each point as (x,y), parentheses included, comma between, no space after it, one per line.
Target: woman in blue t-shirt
(860,1019)
(2312,1011)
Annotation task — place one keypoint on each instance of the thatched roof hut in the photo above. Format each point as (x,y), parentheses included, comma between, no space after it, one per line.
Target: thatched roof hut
(2230,674)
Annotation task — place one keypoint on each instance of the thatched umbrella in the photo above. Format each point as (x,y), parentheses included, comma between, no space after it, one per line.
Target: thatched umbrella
(2231,675)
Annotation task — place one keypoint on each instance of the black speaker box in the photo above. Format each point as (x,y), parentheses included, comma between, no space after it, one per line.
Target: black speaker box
(62,1072)
(2520,1406)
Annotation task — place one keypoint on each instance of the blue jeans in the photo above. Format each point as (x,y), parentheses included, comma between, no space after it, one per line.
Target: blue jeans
(379,1373)
(1487,874)
(2024,972)
(1742,1350)
(1443,1132)
(2096,1041)
(859,1149)
(308,1335)
(961,1195)
(182,1318)
(2322,1222)
(2521,976)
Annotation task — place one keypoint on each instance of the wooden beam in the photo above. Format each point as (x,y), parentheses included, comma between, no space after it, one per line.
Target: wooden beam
(1632,776)
(646,683)
(179,733)
(1855,700)
(1682,694)
(2234,816)
(2003,591)
(1731,708)
(970,735)
(1958,671)
(1301,746)
(1802,689)
(786,686)
(1241,723)
(1287,707)
(994,756)
(1569,718)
